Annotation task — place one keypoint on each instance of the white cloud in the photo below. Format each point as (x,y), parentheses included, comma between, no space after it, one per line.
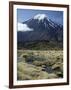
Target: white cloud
(24,27)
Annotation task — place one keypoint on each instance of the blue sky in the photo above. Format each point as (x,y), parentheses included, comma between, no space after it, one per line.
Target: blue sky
(25,14)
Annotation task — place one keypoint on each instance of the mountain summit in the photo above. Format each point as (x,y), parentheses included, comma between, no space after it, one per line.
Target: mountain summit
(40,16)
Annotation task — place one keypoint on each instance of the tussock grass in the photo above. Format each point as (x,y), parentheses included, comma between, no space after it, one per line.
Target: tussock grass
(39,64)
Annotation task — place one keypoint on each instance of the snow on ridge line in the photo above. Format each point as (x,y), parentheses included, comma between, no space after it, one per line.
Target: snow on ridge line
(40,16)
(24,27)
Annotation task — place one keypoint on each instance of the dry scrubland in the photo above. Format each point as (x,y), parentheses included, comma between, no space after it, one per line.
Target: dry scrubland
(39,64)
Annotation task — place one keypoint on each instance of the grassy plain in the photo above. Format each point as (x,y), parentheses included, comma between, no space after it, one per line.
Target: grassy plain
(39,64)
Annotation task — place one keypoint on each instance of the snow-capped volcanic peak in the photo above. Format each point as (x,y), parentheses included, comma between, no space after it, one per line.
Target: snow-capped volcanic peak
(40,16)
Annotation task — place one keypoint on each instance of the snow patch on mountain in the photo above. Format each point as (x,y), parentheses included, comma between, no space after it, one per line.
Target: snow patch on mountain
(40,16)
(24,27)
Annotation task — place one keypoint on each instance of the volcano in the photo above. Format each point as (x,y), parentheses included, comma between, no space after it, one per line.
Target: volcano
(39,29)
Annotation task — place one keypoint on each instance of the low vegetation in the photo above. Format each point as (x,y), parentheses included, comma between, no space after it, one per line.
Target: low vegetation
(39,64)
